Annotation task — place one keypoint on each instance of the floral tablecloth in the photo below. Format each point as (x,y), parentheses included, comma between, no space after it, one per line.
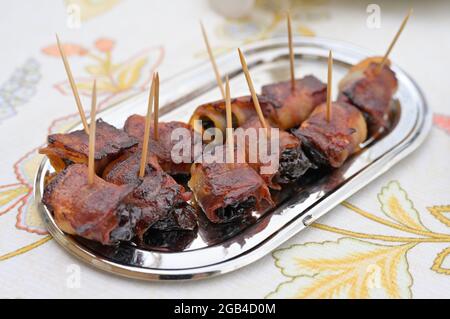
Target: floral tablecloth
(391,239)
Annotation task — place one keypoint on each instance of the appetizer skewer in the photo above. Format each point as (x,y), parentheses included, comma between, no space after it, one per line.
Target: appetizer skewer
(370,86)
(227,191)
(66,149)
(292,163)
(160,143)
(290,102)
(213,61)
(371,91)
(82,203)
(333,131)
(163,146)
(146,136)
(91,211)
(295,99)
(291,50)
(293,106)
(213,114)
(279,105)
(91,158)
(157,201)
(73,85)
(252,90)
(330,143)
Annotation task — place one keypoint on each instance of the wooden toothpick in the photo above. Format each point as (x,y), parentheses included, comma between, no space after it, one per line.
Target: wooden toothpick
(91,159)
(147,129)
(230,142)
(291,50)
(213,61)
(73,86)
(252,90)
(329,85)
(156,108)
(397,35)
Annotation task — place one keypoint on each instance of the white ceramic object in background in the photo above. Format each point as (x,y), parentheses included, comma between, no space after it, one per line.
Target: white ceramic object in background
(233,9)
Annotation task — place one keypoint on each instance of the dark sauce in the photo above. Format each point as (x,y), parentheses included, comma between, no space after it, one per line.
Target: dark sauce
(172,240)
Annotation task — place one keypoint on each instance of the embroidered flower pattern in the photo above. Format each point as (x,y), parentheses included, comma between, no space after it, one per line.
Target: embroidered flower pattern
(357,266)
(19,88)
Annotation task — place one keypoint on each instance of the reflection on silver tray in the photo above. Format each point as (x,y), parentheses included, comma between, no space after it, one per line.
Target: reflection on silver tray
(216,249)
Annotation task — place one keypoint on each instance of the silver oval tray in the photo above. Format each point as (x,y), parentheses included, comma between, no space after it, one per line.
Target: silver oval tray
(216,250)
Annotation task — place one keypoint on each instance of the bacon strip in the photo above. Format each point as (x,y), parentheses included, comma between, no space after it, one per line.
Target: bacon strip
(89,211)
(213,114)
(293,105)
(65,149)
(331,143)
(157,201)
(371,90)
(162,148)
(228,191)
(291,161)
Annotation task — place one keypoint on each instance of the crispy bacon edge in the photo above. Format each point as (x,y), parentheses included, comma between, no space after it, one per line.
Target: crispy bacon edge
(65,149)
(331,143)
(89,211)
(293,105)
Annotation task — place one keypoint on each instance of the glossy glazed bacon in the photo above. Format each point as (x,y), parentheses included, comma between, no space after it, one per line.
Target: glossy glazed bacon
(125,169)
(65,149)
(213,114)
(156,202)
(89,211)
(331,143)
(292,162)
(226,191)
(371,90)
(162,148)
(293,105)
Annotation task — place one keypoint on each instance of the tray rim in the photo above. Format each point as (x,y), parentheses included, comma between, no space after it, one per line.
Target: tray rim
(295,225)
